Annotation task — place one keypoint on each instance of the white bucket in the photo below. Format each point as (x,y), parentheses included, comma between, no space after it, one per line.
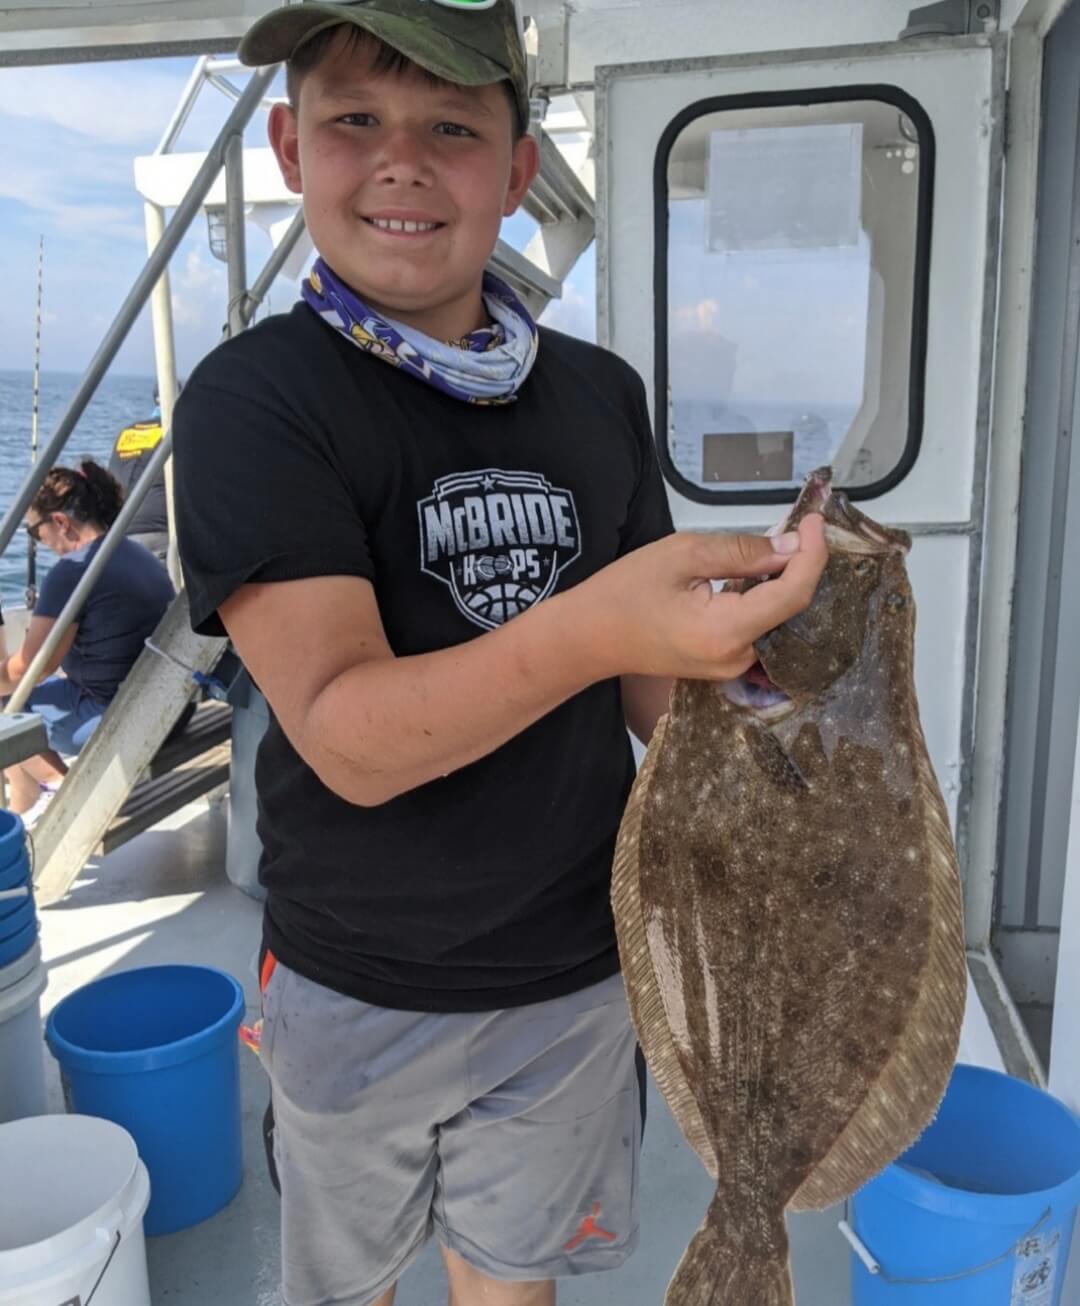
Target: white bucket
(71,1222)
(22,1049)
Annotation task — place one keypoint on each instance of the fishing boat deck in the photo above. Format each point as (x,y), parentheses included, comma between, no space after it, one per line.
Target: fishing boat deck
(164,897)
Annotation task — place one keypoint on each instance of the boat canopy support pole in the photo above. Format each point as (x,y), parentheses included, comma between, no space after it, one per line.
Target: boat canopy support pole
(183,109)
(165,367)
(274,264)
(235,244)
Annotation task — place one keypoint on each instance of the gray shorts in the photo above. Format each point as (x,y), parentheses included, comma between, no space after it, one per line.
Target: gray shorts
(512,1135)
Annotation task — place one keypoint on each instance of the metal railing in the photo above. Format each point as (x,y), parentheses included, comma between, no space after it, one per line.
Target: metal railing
(242,307)
(245,311)
(137,297)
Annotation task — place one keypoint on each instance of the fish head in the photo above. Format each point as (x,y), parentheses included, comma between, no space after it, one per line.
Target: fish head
(864,583)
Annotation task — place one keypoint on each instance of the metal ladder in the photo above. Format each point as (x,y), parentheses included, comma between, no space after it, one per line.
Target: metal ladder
(140,717)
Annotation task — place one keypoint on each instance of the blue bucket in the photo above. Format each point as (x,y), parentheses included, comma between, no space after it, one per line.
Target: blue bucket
(12,842)
(18,930)
(14,853)
(156,1051)
(17,914)
(980,1211)
(12,908)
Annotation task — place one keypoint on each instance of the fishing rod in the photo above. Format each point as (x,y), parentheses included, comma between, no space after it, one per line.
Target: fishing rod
(31,551)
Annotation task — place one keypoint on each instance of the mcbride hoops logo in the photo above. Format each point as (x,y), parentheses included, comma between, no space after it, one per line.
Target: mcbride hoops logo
(498,539)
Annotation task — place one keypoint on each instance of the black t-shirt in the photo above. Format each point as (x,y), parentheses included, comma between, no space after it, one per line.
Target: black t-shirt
(299,455)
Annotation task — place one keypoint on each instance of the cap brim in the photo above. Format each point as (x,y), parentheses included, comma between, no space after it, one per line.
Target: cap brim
(276,36)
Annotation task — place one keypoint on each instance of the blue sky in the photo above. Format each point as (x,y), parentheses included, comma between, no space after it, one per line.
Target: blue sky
(70,134)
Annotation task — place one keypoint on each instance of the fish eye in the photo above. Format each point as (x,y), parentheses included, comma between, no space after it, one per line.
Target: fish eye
(896,602)
(863,566)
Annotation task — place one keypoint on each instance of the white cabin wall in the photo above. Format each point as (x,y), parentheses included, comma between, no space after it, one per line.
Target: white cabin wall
(959,85)
(628,31)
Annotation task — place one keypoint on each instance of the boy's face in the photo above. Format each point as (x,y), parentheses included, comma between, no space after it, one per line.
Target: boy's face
(372,150)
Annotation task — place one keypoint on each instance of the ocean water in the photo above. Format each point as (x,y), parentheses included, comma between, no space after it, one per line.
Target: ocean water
(119,401)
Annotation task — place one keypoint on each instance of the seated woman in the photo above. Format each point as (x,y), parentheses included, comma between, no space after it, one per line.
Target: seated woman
(70,515)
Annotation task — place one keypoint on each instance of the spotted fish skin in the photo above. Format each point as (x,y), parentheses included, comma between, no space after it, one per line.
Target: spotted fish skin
(788,908)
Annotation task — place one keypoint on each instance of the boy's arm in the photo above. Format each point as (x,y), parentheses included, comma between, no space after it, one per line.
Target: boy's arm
(373,726)
(645,700)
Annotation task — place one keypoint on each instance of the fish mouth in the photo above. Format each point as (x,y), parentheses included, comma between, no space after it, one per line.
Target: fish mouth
(847,530)
(754,692)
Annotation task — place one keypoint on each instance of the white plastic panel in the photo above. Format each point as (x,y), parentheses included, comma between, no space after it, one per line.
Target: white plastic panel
(958,84)
(938,567)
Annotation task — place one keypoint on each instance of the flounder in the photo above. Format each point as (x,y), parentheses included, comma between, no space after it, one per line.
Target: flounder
(788,909)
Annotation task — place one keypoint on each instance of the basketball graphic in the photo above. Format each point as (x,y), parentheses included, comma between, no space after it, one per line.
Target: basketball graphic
(498,603)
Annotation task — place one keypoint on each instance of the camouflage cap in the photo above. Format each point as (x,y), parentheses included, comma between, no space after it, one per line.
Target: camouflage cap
(462,41)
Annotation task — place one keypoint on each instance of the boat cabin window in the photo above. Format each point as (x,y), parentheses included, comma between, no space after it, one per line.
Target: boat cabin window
(792,259)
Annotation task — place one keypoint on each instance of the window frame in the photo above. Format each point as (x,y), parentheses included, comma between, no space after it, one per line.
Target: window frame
(924,208)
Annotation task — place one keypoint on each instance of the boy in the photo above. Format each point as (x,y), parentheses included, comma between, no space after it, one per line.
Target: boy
(439,540)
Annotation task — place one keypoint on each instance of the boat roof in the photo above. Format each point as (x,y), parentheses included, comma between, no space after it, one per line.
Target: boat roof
(59,30)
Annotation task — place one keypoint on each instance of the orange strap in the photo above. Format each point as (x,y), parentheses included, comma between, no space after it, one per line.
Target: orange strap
(269,962)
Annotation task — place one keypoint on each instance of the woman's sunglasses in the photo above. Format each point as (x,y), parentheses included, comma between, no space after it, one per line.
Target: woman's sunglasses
(33,529)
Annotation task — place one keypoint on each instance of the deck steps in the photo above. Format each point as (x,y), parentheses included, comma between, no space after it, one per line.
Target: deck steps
(208,727)
(185,767)
(152,800)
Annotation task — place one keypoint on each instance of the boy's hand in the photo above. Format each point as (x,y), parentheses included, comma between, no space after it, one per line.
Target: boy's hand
(654,612)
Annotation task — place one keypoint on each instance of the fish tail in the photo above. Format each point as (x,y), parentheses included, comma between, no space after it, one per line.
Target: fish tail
(729,1264)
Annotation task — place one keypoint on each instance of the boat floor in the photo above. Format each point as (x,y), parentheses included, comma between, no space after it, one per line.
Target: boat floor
(164,897)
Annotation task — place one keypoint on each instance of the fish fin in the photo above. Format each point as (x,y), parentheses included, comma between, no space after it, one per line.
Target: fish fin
(642,987)
(725,1265)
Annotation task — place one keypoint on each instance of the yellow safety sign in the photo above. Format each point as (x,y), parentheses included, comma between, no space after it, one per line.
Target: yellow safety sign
(137,439)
